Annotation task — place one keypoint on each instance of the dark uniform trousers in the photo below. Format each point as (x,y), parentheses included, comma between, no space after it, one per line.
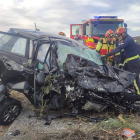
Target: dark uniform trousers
(134,67)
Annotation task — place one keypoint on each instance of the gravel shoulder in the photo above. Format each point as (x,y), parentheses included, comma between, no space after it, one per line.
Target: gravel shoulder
(34,128)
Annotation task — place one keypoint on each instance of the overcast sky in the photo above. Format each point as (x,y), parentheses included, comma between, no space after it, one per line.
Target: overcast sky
(57,15)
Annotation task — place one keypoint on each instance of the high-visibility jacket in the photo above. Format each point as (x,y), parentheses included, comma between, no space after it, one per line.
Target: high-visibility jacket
(103,47)
(90,42)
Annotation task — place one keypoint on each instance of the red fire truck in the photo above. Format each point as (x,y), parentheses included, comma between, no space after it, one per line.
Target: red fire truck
(90,31)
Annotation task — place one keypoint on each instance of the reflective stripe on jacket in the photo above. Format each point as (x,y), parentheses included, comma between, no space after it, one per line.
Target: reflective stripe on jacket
(103,48)
(90,43)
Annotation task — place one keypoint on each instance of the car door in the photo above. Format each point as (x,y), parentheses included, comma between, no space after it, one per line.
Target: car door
(12,47)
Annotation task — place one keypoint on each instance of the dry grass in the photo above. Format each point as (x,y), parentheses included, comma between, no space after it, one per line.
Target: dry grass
(105,130)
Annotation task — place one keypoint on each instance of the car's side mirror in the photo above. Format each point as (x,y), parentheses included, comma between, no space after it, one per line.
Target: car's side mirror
(40,78)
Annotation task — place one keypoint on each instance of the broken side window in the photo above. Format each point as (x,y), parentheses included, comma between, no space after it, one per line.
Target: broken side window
(43,49)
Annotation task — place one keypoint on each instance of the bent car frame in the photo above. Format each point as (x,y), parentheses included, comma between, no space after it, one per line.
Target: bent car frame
(56,71)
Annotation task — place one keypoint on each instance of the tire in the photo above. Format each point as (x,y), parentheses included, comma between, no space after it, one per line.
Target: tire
(9,110)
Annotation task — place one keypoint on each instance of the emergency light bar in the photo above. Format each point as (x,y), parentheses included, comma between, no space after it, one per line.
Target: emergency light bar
(105,17)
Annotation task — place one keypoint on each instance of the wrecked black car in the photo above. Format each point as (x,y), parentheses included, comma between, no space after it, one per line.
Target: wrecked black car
(54,71)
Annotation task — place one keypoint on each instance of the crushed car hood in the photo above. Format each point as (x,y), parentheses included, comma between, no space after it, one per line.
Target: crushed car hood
(101,78)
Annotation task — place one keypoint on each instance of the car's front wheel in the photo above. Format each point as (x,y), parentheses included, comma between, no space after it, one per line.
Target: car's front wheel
(9,110)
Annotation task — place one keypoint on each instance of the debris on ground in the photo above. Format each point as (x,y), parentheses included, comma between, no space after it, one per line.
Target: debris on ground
(49,118)
(128,133)
(121,118)
(35,129)
(15,133)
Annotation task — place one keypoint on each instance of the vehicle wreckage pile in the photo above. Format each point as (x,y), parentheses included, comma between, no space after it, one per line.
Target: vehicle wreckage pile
(60,72)
(86,85)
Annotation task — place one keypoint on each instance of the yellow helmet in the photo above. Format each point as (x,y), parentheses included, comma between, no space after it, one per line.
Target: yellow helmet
(61,33)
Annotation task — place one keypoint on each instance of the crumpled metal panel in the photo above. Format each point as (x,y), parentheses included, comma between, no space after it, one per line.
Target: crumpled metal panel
(103,78)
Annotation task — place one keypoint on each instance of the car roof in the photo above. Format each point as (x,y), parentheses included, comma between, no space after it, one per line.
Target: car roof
(34,34)
(39,35)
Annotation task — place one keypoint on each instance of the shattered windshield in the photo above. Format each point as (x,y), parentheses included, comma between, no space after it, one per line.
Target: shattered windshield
(65,48)
(99,28)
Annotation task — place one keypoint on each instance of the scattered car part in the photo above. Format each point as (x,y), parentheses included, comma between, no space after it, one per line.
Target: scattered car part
(49,118)
(95,106)
(121,118)
(85,118)
(128,133)
(30,116)
(82,117)
(15,133)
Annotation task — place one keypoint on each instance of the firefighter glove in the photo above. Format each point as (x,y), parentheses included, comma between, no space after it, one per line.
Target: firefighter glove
(120,67)
(104,57)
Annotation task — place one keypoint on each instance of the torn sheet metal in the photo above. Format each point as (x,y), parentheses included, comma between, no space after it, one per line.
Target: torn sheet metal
(102,78)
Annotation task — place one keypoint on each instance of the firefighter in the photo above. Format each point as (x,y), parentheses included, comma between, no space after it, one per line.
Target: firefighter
(122,55)
(61,33)
(118,58)
(106,45)
(90,43)
(131,51)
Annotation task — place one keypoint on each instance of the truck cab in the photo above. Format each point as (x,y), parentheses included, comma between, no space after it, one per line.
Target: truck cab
(92,30)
